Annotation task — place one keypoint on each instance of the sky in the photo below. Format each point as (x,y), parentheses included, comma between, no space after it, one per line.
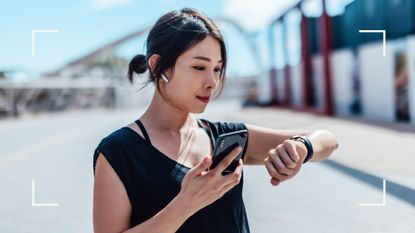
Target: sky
(85,25)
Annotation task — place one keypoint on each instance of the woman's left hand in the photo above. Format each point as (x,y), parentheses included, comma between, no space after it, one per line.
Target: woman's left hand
(285,160)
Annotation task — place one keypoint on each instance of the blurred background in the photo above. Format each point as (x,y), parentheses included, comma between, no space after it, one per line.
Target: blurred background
(292,64)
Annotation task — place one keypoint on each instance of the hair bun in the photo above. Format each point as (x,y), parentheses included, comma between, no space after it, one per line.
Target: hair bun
(137,65)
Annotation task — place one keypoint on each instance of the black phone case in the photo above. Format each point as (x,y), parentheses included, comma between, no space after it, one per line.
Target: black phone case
(225,143)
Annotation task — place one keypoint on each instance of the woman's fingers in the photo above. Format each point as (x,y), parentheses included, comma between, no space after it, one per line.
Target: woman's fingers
(275,182)
(231,180)
(283,162)
(273,172)
(274,154)
(292,150)
(285,157)
(202,166)
(204,187)
(235,176)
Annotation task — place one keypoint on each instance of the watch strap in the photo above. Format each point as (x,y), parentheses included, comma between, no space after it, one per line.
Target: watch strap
(307,144)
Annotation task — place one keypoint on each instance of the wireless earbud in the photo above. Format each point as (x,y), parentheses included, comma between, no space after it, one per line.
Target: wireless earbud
(164,78)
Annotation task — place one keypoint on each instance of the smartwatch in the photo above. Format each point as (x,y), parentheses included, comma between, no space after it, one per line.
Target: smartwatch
(307,144)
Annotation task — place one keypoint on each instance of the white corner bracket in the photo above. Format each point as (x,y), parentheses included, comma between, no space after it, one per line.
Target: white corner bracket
(40,204)
(383,201)
(34,37)
(378,31)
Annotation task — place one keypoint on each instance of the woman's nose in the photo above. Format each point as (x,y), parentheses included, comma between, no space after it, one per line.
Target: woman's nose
(212,80)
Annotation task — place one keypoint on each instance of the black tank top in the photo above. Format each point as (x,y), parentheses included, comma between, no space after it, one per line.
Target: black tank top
(152,180)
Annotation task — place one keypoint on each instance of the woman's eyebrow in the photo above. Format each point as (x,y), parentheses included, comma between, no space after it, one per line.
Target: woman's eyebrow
(205,59)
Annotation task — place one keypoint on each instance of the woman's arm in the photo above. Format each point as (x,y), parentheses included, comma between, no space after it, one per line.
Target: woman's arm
(262,140)
(324,143)
(112,209)
(168,219)
(283,157)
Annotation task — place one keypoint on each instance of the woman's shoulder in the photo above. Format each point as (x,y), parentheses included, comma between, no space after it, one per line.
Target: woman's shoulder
(112,145)
(114,138)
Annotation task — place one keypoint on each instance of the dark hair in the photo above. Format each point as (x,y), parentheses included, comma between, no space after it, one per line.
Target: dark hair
(173,34)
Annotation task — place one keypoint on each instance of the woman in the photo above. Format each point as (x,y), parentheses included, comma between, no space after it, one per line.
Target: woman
(153,175)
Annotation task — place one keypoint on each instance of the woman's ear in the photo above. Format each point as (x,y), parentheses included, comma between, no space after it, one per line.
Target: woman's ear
(152,62)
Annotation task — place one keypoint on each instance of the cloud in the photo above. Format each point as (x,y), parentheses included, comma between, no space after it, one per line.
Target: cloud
(105,4)
(255,14)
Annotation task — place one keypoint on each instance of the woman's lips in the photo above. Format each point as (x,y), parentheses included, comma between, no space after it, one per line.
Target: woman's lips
(203,99)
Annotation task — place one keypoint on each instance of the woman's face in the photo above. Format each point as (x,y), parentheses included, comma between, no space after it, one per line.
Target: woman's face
(196,75)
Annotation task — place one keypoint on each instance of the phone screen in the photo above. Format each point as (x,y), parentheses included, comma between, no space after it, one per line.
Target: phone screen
(225,143)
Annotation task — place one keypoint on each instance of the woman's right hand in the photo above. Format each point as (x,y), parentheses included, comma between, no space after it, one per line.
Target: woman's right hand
(200,188)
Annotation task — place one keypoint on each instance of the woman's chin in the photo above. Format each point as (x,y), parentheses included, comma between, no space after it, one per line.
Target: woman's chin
(199,109)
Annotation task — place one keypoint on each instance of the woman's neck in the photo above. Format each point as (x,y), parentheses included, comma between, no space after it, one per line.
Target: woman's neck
(161,115)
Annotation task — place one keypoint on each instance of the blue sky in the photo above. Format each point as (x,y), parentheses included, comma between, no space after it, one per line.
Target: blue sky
(85,25)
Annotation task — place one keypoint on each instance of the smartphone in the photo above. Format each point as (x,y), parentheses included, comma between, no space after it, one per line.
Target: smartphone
(225,143)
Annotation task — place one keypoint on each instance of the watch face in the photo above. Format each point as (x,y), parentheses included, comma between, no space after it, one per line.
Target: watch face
(297,138)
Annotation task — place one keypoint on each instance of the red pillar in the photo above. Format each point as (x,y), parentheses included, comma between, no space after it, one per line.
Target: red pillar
(326,45)
(273,71)
(287,73)
(306,61)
